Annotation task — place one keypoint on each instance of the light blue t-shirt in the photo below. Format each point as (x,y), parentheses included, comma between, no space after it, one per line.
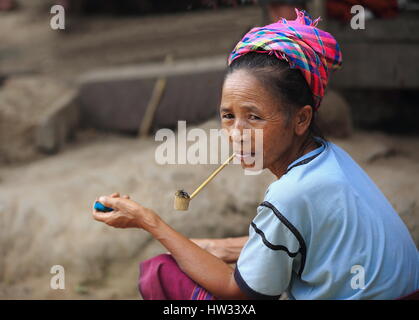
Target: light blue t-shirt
(325,231)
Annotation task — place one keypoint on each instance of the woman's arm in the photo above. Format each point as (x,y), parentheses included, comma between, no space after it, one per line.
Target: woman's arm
(227,249)
(207,270)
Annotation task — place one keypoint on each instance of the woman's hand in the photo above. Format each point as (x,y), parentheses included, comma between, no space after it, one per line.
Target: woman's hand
(126,213)
(227,249)
(213,246)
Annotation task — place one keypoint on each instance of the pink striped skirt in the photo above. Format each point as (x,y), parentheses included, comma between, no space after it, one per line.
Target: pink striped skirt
(162,279)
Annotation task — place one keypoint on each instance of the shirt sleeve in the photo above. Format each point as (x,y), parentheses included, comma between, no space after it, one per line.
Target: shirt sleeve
(274,250)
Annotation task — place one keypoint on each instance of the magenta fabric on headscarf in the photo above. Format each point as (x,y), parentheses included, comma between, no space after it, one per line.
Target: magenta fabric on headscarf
(311,50)
(162,279)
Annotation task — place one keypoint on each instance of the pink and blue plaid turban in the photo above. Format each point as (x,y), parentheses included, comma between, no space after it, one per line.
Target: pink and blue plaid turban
(311,50)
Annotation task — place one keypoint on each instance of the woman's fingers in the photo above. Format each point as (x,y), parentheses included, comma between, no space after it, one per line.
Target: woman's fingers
(117,195)
(126,213)
(115,201)
(110,202)
(101,216)
(203,243)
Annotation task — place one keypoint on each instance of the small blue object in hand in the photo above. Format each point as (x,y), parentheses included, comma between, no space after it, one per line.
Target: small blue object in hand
(100,207)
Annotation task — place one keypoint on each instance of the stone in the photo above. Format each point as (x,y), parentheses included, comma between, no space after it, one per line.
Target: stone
(36,113)
(59,124)
(334,116)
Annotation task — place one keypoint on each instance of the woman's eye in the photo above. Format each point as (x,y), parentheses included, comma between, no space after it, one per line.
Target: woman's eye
(227,116)
(253,117)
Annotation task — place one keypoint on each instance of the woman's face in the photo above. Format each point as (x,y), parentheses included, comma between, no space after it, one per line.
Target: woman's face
(246,104)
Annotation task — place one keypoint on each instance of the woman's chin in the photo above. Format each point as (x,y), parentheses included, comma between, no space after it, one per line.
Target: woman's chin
(253,165)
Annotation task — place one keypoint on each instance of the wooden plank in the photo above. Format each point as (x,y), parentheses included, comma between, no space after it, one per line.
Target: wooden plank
(117,98)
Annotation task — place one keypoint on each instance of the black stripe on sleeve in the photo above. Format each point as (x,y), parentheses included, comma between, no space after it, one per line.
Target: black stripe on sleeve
(296,233)
(249,291)
(270,245)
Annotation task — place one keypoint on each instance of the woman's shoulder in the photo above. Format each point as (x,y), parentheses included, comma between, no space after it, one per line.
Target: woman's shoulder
(317,185)
(306,184)
(300,206)
(310,193)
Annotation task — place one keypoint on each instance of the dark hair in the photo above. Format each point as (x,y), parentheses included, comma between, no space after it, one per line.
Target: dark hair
(285,84)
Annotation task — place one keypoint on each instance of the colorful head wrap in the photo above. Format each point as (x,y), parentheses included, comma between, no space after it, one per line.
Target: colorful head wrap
(313,51)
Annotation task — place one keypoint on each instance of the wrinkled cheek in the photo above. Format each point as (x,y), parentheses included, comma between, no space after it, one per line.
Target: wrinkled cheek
(270,148)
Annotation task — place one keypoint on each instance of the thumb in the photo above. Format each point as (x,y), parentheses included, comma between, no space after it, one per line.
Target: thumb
(109,202)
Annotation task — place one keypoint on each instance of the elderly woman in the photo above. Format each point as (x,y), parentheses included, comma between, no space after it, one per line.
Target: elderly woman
(323,231)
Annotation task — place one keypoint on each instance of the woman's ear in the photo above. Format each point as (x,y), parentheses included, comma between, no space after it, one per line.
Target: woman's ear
(303,119)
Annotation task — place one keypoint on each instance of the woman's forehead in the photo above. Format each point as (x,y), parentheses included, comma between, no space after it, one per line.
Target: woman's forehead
(241,78)
(241,86)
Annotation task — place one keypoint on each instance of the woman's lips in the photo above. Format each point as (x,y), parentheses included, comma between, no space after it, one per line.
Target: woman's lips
(244,155)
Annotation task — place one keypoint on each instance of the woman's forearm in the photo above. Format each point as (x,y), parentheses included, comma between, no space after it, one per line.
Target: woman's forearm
(207,270)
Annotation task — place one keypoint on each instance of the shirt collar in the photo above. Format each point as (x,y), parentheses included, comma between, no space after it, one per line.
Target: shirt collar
(310,154)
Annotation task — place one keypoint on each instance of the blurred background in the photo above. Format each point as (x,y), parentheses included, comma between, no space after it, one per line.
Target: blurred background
(79,108)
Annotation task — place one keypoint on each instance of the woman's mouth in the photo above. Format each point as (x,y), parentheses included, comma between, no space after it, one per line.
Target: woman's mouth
(244,155)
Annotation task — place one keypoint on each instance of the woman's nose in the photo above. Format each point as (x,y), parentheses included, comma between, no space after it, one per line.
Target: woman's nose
(240,132)
(236,135)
